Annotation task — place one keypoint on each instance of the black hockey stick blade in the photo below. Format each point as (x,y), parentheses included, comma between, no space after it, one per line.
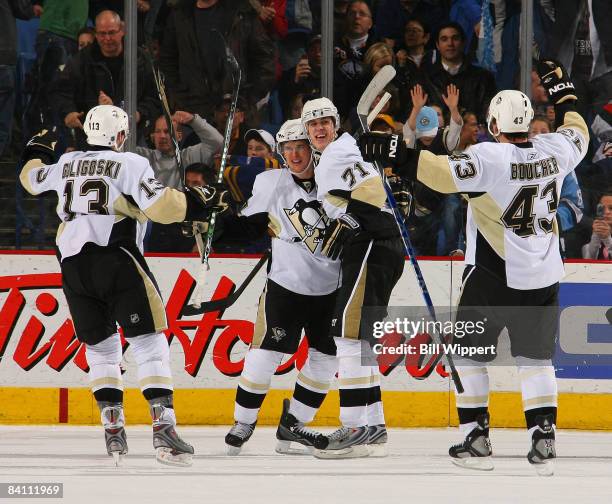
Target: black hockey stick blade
(226,302)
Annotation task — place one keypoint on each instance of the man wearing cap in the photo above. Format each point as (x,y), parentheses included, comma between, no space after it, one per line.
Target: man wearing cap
(260,144)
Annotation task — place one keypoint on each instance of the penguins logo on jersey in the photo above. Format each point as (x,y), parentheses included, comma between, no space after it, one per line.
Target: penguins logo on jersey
(309,220)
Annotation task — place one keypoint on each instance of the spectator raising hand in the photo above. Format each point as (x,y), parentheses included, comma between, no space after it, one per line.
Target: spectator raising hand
(419,99)
(104,99)
(73,120)
(451,100)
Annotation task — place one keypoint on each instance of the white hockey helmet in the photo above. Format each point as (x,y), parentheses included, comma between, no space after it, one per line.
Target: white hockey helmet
(289,131)
(318,108)
(103,125)
(512,112)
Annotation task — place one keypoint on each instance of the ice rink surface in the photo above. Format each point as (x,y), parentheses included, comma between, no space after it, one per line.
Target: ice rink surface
(417,470)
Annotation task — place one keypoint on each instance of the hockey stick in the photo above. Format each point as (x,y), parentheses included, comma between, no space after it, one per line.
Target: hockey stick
(376,86)
(205,248)
(379,106)
(158,77)
(226,302)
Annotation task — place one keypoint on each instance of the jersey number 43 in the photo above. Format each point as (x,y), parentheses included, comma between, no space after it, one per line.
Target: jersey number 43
(520,217)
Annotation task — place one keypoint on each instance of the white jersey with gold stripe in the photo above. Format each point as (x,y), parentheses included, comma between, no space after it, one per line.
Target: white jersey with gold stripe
(297,223)
(513,192)
(342,174)
(104,197)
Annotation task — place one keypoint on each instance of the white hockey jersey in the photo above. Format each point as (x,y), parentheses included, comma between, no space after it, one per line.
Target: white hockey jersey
(297,222)
(513,192)
(341,168)
(102,197)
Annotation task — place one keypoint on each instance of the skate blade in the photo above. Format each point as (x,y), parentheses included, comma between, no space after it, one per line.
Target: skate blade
(378,450)
(232,451)
(546,468)
(357,451)
(117,458)
(285,448)
(474,463)
(165,456)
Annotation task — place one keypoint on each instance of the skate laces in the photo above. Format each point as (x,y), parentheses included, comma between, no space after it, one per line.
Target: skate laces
(241,430)
(301,429)
(339,434)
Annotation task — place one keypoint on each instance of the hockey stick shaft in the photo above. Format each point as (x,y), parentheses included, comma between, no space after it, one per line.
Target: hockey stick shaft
(376,86)
(206,247)
(226,302)
(379,106)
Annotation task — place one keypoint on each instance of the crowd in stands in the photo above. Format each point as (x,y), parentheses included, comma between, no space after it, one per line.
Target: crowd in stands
(451,57)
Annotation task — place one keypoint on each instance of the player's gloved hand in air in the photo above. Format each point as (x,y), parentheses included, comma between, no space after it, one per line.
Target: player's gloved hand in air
(43,146)
(191,228)
(339,232)
(388,149)
(556,81)
(202,200)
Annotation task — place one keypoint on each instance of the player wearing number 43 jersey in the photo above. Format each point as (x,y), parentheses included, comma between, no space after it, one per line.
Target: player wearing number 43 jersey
(512,257)
(104,195)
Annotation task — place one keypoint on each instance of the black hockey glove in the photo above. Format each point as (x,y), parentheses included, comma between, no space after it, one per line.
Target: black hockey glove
(42,146)
(390,150)
(202,200)
(338,234)
(402,194)
(556,81)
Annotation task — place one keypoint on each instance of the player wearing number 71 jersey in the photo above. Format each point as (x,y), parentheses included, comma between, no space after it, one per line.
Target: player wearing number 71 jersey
(512,258)
(104,194)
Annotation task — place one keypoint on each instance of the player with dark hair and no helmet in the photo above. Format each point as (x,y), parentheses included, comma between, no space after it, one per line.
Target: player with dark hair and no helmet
(105,198)
(513,264)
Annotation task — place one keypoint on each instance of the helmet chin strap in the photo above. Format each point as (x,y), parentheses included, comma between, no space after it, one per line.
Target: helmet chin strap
(310,161)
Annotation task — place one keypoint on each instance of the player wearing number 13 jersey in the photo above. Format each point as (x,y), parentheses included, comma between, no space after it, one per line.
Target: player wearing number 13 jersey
(513,264)
(104,195)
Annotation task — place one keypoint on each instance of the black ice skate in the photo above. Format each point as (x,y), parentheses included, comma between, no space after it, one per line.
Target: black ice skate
(346,442)
(170,449)
(114,431)
(239,434)
(542,451)
(377,440)
(475,452)
(290,430)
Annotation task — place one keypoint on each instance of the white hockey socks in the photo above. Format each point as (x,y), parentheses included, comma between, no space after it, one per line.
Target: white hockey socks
(152,355)
(104,371)
(475,398)
(259,367)
(312,385)
(538,388)
(355,380)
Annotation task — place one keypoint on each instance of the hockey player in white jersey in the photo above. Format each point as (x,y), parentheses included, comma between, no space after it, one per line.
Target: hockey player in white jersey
(103,196)
(299,295)
(364,235)
(512,257)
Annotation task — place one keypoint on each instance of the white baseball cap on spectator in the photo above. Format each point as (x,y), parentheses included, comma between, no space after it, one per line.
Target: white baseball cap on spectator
(262,136)
(427,123)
